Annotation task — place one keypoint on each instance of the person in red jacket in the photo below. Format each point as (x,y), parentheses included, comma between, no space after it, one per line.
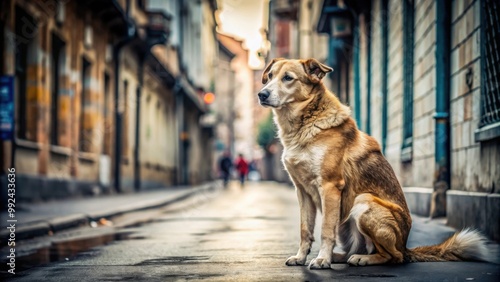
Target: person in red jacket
(242,168)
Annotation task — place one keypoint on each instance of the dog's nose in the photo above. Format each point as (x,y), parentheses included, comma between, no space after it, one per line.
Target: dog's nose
(264,94)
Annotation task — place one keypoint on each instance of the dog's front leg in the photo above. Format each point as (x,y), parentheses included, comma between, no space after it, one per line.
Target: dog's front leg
(307,220)
(330,203)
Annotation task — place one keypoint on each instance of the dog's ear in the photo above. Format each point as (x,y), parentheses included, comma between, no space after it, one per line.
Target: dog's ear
(265,74)
(315,70)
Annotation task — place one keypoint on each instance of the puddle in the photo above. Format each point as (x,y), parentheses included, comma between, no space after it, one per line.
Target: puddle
(128,235)
(138,224)
(63,250)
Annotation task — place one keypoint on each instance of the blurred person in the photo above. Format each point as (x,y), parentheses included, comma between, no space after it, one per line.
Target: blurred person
(225,164)
(242,168)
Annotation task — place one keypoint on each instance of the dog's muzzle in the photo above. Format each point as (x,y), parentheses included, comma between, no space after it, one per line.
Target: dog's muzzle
(263,95)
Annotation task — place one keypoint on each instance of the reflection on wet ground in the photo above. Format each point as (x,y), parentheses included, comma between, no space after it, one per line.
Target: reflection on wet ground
(67,249)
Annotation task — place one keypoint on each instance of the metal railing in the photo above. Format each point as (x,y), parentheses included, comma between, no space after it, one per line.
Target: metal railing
(490,100)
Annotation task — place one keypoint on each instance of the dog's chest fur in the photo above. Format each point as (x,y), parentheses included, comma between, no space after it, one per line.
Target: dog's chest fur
(304,164)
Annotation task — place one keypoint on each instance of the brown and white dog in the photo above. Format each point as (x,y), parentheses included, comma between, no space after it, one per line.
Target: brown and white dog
(341,171)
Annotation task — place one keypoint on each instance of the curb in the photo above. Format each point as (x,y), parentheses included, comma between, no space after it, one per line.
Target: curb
(68,221)
(29,231)
(57,224)
(151,205)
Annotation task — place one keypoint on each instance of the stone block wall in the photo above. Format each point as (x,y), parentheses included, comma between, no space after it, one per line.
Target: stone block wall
(395,86)
(475,165)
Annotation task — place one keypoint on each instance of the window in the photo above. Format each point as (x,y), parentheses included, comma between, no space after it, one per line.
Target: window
(57,64)
(85,129)
(490,71)
(408,47)
(25,29)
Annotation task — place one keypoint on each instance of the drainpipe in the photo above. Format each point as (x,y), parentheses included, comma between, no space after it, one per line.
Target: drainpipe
(357,83)
(368,127)
(179,99)
(138,95)
(385,57)
(179,111)
(118,116)
(441,116)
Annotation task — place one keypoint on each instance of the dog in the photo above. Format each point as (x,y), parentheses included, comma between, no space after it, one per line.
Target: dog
(340,171)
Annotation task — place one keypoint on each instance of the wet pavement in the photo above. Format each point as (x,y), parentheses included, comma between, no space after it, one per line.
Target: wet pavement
(96,207)
(238,235)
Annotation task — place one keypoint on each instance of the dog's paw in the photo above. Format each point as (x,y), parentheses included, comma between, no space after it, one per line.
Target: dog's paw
(319,263)
(358,260)
(295,260)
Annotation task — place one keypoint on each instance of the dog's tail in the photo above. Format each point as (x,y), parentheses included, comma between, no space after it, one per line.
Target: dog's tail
(465,245)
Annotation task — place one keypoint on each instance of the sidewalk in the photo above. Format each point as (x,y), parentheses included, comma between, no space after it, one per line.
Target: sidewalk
(38,219)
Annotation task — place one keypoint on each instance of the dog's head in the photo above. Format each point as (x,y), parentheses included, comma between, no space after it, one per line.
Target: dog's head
(289,81)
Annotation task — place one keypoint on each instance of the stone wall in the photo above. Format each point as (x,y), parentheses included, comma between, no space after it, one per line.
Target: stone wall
(475,165)
(376,71)
(395,86)
(473,200)
(37,153)
(84,111)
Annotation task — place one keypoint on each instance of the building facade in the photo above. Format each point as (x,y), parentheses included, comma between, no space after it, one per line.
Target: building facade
(76,135)
(244,98)
(223,108)
(292,34)
(420,77)
(194,44)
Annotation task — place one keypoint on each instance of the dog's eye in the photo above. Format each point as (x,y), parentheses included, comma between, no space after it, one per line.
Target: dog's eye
(287,78)
(270,75)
